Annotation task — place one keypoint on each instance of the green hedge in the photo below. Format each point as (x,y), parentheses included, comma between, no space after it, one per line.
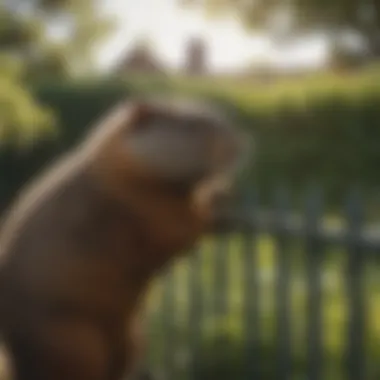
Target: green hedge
(324,129)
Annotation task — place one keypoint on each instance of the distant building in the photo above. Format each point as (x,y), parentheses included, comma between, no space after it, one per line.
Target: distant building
(140,60)
(196,57)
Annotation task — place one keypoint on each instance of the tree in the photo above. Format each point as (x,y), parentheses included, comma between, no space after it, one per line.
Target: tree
(81,24)
(28,51)
(22,119)
(331,16)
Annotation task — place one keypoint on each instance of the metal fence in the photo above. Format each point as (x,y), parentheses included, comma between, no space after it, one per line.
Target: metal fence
(277,295)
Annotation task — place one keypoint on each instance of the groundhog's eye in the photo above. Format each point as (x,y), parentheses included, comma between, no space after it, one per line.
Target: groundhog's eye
(146,116)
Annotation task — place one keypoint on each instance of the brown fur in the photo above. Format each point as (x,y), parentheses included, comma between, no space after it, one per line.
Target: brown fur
(80,247)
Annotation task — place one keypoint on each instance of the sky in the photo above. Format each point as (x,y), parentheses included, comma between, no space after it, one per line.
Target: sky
(168,27)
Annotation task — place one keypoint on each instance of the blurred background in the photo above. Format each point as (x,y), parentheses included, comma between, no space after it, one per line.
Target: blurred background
(290,290)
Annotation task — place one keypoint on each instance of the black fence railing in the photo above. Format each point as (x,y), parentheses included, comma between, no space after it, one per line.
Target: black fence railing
(275,296)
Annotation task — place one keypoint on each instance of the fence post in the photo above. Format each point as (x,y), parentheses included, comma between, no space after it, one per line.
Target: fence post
(195,314)
(168,323)
(282,206)
(221,277)
(314,255)
(355,363)
(221,300)
(251,298)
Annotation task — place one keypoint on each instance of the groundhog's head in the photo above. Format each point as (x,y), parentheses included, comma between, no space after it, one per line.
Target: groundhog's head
(183,148)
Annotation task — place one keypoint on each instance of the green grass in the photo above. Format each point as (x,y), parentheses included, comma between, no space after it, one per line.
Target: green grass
(173,335)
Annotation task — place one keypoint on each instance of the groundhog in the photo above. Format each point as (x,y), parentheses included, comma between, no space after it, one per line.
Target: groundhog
(81,244)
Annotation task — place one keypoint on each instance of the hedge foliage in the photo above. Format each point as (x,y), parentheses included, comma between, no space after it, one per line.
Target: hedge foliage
(325,129)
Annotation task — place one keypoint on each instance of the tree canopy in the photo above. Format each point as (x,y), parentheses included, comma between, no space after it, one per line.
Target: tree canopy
(330,16)
(31,29)
(30,49)
(22,119)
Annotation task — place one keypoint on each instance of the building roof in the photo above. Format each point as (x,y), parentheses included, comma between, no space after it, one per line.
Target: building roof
(140,59)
